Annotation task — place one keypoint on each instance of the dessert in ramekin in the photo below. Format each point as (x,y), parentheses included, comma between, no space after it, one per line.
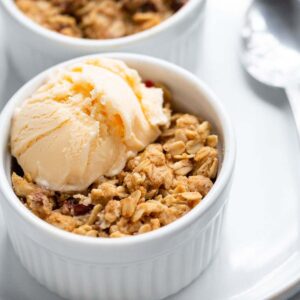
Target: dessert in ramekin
(34,48)
(102,153)
(152,265)
(94,19)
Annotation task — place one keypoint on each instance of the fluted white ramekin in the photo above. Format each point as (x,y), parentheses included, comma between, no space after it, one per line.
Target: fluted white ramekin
(34,48)
(148,266)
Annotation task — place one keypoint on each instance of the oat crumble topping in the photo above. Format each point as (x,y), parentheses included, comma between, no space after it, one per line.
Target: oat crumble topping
(159,185)
(99,19)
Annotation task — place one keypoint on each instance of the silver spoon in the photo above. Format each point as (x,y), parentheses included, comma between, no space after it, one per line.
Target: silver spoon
(271,47)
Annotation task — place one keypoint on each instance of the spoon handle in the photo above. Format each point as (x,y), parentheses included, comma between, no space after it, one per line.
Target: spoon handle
(293,95)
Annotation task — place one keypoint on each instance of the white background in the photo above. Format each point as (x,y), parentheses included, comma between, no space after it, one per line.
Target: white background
(259,256)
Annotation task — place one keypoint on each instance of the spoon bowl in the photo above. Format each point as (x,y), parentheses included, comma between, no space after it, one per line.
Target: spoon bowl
(271,47)
(271,41)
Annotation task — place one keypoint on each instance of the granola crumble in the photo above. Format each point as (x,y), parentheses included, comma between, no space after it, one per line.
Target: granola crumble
(159,185)
(99,19)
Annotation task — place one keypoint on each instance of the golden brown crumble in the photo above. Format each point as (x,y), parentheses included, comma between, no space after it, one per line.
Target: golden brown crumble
(159,185)
(99,19)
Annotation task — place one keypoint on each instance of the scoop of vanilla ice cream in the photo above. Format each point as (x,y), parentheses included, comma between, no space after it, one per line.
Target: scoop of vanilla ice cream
(85,122)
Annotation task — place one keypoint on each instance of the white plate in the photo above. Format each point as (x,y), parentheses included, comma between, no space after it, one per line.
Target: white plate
(259,257)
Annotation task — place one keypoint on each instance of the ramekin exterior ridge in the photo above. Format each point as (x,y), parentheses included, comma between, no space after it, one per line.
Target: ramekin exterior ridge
(150,266)
(148,279)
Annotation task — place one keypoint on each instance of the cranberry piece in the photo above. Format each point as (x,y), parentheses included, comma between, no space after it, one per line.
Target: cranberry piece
(148,6)
(177,4)
(71,208)
(149,83)
(80,209)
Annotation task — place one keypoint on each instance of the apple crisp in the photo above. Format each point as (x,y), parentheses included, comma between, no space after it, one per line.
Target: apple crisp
(157,186)
(99,19)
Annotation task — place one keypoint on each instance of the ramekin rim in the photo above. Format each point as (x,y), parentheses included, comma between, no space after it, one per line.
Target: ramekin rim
(20,17)
(221,181)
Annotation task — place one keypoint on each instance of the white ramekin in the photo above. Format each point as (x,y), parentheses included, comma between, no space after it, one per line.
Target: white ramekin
(34,48)
(149,266)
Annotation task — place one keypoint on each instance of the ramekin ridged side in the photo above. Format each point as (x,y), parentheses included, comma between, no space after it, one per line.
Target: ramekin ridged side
(154,278)
(33,48)
(148,266)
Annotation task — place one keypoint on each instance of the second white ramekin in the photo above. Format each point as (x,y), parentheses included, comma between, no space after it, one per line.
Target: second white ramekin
(34,48)
(148,266)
